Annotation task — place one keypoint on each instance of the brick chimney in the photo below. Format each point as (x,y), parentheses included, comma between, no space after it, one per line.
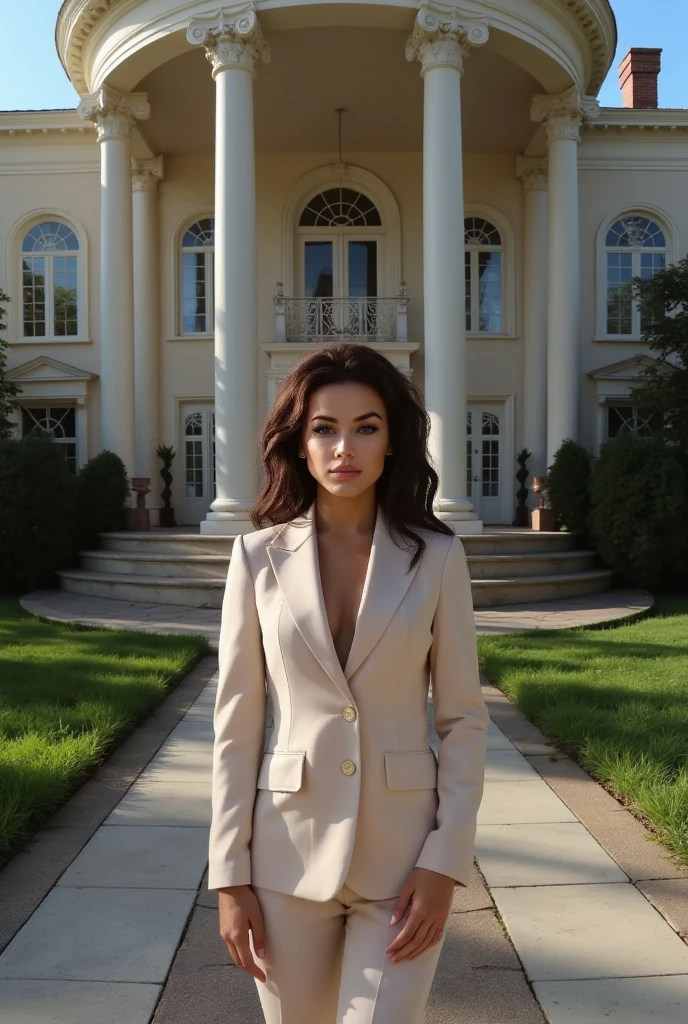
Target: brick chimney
(638,73)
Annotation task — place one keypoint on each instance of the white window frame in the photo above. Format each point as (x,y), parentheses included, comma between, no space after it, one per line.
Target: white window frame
(15,255)
(670,253)
(499,221)
(209,251)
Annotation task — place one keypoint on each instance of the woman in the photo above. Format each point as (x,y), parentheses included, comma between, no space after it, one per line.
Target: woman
(336,843)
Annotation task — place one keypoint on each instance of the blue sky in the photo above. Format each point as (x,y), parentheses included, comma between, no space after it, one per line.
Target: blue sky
(31,76)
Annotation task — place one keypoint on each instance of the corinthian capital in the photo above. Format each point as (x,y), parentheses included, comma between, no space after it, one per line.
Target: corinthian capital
(232,39)
(145,174)
(114,113)
(442,36)
(564,114)
(533,173)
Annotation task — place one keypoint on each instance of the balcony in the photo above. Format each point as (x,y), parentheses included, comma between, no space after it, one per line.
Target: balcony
(357,318)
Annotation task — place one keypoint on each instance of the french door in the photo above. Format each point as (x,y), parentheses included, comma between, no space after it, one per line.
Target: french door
(485,450)
(339,272)
(197,447)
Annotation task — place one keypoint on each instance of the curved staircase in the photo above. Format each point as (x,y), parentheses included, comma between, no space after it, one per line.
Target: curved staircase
(184,567)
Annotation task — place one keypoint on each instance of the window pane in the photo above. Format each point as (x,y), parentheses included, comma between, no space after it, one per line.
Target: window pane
(490,291)
(318,269)
(64,295)
(194,297)
(33,296)
(650,263)
(619,292)
(344,207)
(467,279)
(50,236)
(362,268)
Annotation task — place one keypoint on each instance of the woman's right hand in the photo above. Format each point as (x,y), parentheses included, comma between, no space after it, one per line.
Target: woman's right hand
(240,913)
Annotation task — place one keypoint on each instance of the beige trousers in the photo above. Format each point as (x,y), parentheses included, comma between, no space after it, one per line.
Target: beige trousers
(325,963)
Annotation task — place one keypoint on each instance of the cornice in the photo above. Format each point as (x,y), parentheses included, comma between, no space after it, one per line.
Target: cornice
(592,15)
(43,122)
(646,119)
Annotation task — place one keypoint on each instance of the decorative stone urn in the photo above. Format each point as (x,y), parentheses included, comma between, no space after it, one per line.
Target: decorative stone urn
(139,518)
(542,518)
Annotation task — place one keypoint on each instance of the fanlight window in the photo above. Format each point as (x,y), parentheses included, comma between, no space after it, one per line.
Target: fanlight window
(50,281)
(635,247)
(197,300)
(484,278)
(340,207)
(60,422)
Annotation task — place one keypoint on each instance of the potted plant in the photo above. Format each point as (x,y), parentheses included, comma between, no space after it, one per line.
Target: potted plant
(167,454)
(522,517)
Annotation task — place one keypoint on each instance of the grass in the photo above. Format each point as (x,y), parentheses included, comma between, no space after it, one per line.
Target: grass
(616,700)
(68,695)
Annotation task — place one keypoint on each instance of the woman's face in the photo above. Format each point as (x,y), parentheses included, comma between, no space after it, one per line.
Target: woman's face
(345,438)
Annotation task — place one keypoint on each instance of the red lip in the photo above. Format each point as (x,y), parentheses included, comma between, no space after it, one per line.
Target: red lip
(345,471)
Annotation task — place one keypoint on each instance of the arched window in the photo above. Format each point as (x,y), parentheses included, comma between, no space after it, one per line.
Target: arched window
(484,277)
(49,262)
(340,207)
(59,421)
(635,246)
(198,242)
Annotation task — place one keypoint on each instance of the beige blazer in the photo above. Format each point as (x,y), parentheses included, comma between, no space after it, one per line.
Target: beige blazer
(346,787)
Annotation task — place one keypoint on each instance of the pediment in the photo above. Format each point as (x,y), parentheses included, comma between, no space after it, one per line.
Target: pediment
(626,369)
(44,368)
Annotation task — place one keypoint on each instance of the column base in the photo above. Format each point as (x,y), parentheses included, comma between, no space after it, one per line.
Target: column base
(224,524)
(469,526)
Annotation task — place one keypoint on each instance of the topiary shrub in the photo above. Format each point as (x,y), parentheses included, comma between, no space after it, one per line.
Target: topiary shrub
(103,490)
(568,487)
(638,507)
(37,512)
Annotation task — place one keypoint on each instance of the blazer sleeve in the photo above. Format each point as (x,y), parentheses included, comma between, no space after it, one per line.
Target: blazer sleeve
(461,721)
(239,724)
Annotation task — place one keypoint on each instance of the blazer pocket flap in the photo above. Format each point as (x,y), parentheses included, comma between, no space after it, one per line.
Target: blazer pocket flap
(281,771)
(411,769)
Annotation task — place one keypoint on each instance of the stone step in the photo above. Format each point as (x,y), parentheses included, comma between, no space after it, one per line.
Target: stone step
(208,593)
(209,566)
(192,566)
(496,542)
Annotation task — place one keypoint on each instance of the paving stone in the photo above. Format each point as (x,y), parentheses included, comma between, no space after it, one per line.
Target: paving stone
(478,978)
(615,1000)
(76,1002)
(508,766)
(523,734)
(512,803)
(164,803)
(100,935)
(555,853)
(474,896)
(182,760)
(670,897)
(199,729)
(567,932)
(615,828)
(204,984)
(141,857)
(496,740)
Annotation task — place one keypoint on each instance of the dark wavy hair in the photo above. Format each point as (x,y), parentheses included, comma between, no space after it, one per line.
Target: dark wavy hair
(406,489)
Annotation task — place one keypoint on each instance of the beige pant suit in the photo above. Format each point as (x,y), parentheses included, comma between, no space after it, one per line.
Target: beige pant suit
(329,815)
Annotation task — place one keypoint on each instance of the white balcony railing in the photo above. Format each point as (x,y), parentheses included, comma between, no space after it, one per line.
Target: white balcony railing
(357,318)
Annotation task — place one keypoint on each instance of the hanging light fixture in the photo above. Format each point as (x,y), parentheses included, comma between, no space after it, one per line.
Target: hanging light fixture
(339,166)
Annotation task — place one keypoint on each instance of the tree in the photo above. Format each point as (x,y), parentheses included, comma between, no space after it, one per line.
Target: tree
(8,389)
(663,387)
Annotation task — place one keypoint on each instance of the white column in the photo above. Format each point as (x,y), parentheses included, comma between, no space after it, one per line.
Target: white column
(114,114)
(563,116)
(533,175)
(440,41)
(145,175)
(234,46)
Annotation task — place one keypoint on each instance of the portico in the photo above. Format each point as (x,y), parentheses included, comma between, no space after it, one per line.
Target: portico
(443,229)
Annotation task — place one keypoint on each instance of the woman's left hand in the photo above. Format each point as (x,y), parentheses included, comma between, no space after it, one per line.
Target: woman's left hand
(429,894)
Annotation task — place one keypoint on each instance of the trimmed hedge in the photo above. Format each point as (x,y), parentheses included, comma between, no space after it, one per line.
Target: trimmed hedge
(568,487)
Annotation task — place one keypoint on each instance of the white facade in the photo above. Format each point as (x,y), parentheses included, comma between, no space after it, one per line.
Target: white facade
(174,246)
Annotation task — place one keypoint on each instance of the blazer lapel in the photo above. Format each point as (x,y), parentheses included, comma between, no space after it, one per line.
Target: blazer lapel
(294,558)
(387,581)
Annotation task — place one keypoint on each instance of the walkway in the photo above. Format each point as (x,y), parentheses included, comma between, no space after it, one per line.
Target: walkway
(124,933)
(169,618)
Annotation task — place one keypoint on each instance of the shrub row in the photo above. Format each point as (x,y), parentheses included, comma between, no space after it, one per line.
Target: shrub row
(48,513)
(631,504)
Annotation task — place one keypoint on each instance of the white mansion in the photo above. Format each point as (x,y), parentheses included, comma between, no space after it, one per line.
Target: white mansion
(240,185)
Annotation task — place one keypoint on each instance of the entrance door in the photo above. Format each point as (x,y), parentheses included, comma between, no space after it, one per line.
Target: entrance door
(197,447)
(485,432)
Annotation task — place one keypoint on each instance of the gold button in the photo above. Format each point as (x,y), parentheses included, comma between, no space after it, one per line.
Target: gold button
(349,714)
(348,767)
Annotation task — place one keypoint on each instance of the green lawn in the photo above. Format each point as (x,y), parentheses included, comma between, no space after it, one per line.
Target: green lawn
(68,695)
(616,700)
